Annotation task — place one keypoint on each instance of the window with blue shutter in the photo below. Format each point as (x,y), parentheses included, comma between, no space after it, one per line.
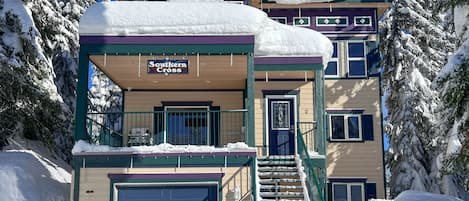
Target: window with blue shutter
(367,127)
(350,127)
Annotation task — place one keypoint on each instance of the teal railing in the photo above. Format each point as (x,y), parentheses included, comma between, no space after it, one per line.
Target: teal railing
(312,182)
(175,126)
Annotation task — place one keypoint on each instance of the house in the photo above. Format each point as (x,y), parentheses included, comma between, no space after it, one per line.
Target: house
(220,102)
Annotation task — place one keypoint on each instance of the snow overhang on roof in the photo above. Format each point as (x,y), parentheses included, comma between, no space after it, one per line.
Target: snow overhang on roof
(272,39)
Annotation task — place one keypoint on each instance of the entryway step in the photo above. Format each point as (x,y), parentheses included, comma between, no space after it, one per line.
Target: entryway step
(276,181)
(276,163)
(280,188)
(277,157)
(277,169)
(278,174)
(281,195)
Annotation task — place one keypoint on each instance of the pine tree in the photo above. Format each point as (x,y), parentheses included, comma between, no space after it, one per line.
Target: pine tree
(415,48)
(452,83)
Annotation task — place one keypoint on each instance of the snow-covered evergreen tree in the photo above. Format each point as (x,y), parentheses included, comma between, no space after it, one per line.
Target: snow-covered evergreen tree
(39,47)
(452,83)
(415,46)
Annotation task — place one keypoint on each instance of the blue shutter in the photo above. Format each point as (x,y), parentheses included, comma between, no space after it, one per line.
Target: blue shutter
(328,129)
(329,191)
(214,125)
(370,191)
(367,127)
(373,58)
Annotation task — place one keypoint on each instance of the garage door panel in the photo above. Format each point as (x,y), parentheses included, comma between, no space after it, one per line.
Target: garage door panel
(168,193)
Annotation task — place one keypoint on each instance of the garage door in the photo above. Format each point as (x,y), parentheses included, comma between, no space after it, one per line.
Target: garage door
(168,193)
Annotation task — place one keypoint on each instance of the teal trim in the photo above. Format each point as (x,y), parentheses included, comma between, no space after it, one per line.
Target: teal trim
(250,101)
(319,162)
(288,67)
(127,161)
(76,178)
(253,180)
(167,49)
(82,96)
(320,116)
(113,181)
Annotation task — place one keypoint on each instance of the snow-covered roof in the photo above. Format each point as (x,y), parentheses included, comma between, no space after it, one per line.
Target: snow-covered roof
(188,19)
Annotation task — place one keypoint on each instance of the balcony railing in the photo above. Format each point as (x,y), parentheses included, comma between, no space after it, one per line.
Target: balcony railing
(177,127)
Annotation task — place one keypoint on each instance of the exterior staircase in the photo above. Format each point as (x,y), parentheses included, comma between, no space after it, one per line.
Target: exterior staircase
(279,179)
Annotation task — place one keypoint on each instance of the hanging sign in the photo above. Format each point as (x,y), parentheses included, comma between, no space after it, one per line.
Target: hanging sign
(168,66)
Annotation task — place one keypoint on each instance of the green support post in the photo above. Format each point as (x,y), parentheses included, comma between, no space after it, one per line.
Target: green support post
(82,96)
(321,131)
(250,101)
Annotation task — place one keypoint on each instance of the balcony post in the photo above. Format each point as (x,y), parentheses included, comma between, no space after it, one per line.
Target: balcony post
(250,101)
(82,96)
(321,131)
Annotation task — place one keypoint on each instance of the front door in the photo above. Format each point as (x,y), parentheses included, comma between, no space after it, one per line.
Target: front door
(281,122)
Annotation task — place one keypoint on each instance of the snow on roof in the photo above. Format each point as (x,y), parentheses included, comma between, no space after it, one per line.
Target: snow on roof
(166,18)
(82,146)
(410,195)
(300,1)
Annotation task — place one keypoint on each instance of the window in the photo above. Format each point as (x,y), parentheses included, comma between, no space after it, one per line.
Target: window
(281,20)
(362,21)
(187,125)
(337,21)
(346,127)
(356,59)
(348,192)
(301,21)
(332,69)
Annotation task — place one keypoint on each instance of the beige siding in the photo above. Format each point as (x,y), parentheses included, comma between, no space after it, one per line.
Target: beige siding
(360,159)
(97,180)
(146,101)
(306,112)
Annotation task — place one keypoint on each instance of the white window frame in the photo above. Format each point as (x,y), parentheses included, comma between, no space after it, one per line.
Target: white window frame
(332,25)
(302,25)
(349,189)
(346,134)
(335,60)
(165,136)
(362,25)
(275,18)
(348,59)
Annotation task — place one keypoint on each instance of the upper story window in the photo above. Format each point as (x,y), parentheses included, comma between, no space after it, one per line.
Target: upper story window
(339,21)
(282,20)
(356,59)
(345,127)
(362,21)
(348,192)
(332,69)
(301,21)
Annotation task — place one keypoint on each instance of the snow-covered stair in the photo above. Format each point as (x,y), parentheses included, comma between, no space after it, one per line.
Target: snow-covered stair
(279,179)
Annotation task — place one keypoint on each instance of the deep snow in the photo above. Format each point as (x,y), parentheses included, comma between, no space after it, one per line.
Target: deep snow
(27,176)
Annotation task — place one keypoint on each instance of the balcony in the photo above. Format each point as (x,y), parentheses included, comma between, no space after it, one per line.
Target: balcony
(195,126)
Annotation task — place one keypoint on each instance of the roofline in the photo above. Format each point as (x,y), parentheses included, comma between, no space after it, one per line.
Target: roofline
(325,5)
(168,40)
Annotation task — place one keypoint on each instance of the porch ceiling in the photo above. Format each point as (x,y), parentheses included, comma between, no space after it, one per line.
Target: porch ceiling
(209,72)
(285,75)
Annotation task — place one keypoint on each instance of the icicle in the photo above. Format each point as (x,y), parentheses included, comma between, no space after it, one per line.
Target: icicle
(299,12)
(330,8)
(266,76)
(198,64)
(306,76)
(231,59)
(139,55)
(105,59)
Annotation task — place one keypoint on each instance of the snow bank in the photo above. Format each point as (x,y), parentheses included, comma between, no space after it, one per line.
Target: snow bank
(163,18)
(313,154)
(82,146)
(27,176)
(419,196)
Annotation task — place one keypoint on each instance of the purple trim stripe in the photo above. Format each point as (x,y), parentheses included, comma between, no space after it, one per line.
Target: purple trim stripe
(288,60)
(168,176)
(195,154)
(167,40)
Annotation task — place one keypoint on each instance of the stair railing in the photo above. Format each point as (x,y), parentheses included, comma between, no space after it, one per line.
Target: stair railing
(312,182)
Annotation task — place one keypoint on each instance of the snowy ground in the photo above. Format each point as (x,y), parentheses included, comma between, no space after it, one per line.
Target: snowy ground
(28,176)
